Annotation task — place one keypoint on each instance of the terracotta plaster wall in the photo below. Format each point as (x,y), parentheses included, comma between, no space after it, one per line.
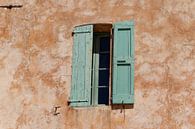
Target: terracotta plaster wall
(35,64)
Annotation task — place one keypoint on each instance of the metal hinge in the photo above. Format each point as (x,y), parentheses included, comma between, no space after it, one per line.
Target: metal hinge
(11,6)
(73,33)
(76,101)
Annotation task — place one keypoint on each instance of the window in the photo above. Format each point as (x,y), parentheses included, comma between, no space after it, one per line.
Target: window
(100,68)
(103,64)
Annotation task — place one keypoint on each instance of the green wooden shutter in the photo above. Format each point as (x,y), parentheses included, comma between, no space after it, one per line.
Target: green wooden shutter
(81,66)
(123,63)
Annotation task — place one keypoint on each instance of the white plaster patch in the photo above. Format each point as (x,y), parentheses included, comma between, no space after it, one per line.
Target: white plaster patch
(153,102)
(11,58)
(152,77)
(63,76)
(151,72)
(62,49)
(192,7)
(179,97)
(193,84)
(155,48)
(9,105)
(145,68)
(153,42)
(160,20)
(3,20)
(112,2)
(181,115)
(63,46)
(67,4)
(185,126)
(61,33)
(128,3)
(186,19)
(89,13)
(31,2)
(160,56)
(44,62)
(7,2)
(183,63)
(188,65)
(178,7)
(46,96)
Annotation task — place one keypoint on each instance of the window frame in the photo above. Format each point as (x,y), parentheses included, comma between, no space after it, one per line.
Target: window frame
(95,66)
(100,28)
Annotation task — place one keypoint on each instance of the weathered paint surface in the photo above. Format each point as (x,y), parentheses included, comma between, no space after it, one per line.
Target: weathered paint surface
(35,64)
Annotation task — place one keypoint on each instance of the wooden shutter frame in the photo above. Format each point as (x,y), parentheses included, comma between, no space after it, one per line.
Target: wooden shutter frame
(120,99)
(76,99)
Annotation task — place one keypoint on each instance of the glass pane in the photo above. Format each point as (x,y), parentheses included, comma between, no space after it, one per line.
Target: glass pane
(103,96)
(104,60)
(103,77)
(104,44)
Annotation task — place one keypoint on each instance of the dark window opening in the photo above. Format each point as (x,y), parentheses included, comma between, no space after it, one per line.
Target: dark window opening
(104,62)
(101,68)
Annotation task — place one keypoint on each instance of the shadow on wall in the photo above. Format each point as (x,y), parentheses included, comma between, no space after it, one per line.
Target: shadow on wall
(122,106)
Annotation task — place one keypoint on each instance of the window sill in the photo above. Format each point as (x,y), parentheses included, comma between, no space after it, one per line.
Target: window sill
(105,107)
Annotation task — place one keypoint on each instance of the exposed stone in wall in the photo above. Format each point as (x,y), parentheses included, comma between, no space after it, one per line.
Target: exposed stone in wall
(35,64)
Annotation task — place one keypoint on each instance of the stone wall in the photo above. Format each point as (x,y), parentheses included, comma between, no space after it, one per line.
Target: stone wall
(35,64)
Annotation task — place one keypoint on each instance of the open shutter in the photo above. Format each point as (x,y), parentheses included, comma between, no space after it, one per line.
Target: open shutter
(81,66)
(123,63)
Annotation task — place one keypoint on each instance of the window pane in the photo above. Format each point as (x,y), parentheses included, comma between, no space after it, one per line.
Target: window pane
(103,96)
(104,60)
(103,77)
(104,44)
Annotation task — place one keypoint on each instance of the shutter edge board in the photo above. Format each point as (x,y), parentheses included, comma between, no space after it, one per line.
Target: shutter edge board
(123,63)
